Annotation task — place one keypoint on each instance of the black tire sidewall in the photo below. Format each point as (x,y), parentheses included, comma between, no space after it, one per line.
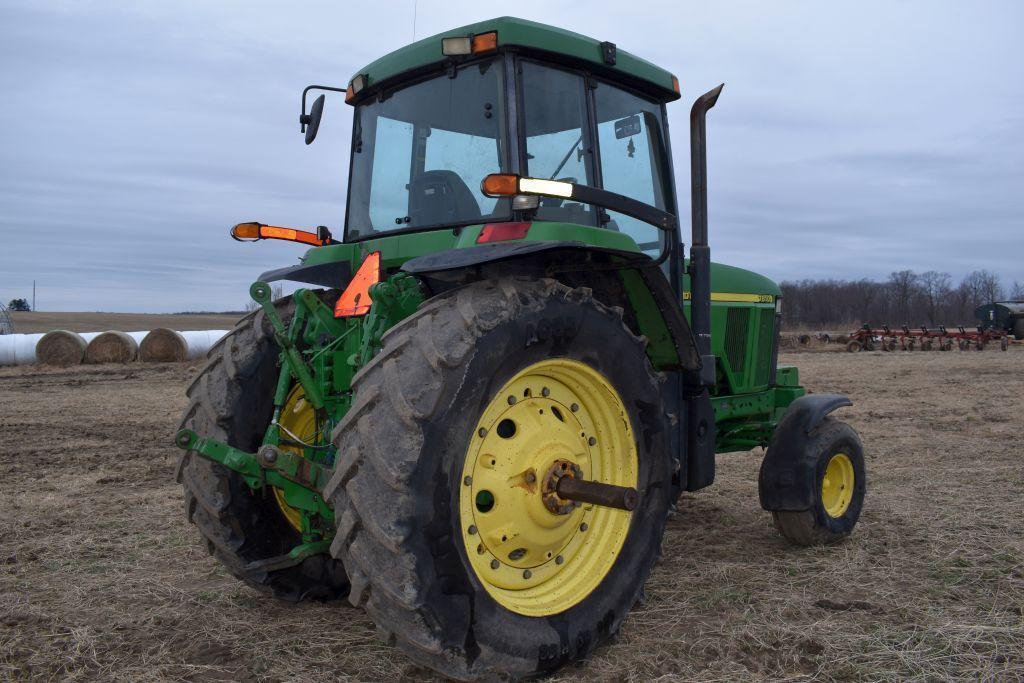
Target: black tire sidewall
(596,337)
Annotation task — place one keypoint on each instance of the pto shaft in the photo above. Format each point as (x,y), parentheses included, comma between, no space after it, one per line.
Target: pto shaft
(608,495)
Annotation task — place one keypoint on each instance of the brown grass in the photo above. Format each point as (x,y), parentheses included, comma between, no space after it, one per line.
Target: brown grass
(101,578)
(125,322)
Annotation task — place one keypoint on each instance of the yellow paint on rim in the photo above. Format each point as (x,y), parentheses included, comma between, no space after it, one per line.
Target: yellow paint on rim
(299,418)
(837,485)
(530,560)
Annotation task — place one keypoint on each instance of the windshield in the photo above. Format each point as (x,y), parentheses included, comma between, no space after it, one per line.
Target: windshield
(418,155)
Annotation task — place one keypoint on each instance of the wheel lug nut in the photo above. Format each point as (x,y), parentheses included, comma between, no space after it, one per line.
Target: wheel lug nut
(511,400)
(530,477)
(592,441)
(468,481)
(559,560)
(482,432)
(472,530)
(545,392)
(574,407)
(527,573)
(584,526)
(495,564)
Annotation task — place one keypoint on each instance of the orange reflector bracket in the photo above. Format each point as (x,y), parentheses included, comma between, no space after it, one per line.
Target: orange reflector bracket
(250,232)
(355,300)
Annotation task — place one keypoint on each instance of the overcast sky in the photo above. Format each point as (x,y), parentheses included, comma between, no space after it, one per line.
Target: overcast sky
(852,139)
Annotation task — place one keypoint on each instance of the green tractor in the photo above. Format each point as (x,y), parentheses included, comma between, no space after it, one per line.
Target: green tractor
(476,421)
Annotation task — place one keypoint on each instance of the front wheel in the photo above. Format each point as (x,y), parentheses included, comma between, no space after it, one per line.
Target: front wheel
(450,524)
(840,483)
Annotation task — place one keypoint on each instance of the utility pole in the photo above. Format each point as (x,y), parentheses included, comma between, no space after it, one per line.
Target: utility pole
(33,295)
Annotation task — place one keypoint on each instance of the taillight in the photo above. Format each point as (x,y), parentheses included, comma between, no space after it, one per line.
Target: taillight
(502,232)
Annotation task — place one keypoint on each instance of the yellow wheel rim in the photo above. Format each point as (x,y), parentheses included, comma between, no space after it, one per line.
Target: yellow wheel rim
(535,553)
(837,485)
(298,417)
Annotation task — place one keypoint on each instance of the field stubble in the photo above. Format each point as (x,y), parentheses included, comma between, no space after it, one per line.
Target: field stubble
(102,578)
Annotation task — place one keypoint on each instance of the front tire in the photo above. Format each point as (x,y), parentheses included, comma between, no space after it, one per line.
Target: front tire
(839,489)
(398,490)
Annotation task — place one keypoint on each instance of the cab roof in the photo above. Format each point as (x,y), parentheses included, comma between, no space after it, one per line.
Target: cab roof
(530,37)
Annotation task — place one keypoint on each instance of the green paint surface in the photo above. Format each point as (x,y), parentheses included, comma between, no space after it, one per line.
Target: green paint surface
(513,32)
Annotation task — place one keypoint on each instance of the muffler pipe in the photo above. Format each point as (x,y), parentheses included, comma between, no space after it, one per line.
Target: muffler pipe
(700,252)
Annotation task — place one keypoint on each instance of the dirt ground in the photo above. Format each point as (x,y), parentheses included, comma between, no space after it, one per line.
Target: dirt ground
(101,578)
(44,321)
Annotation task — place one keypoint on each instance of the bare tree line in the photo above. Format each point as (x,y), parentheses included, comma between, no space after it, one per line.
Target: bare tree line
(906,297)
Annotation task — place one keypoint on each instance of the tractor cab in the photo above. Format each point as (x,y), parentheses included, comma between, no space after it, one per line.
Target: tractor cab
(433,119)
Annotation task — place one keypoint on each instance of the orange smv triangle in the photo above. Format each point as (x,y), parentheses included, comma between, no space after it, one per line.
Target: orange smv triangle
(355,300)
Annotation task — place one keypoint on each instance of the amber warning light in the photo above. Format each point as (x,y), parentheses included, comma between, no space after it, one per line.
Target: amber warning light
(251,232)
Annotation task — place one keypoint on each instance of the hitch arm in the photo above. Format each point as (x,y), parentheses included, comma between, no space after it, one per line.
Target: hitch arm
(270,466)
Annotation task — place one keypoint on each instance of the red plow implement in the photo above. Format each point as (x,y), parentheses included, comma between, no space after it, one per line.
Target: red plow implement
(905,338)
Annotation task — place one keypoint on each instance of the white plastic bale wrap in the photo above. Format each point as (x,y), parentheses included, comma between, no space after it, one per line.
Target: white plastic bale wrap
(18,349)
(201,341)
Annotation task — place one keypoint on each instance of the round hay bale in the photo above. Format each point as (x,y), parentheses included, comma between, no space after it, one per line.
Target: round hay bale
(111,347)
(60,347)
(163,346)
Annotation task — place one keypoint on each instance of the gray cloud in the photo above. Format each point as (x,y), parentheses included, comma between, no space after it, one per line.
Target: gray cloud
(852,139)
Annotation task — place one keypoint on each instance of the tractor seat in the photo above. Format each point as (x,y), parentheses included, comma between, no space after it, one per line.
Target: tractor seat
(437,197)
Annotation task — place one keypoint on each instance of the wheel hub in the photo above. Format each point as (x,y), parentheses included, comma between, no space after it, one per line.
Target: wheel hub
(552,501)
(837,485)
(534,551)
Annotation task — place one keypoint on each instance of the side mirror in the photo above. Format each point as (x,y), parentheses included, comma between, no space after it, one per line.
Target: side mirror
(311,121)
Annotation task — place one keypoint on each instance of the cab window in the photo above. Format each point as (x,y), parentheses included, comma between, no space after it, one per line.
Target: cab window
(633,158)
(554,124)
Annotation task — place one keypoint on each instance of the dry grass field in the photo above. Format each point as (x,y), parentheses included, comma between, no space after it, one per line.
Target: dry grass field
(101,578)
(44,321)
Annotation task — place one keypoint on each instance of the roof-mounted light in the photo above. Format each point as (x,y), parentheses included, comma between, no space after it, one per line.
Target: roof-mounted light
(485,42)
(355,86)
(460,45)
(469,45)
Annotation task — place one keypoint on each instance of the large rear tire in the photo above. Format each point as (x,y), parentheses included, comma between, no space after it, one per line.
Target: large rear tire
(418,424)
(231,400)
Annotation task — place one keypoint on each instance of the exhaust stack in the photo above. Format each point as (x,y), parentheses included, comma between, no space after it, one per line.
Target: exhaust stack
(700,252)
